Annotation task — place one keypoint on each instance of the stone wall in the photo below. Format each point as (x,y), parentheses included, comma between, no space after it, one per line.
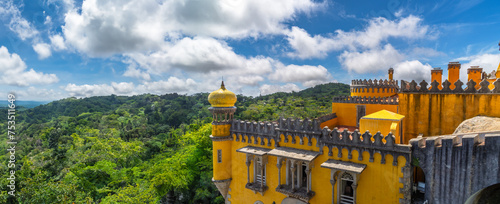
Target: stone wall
(457,166)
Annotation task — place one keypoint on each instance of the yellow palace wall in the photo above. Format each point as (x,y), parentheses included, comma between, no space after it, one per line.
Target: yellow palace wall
(372,92)
(440,114)
(384,126)
(346,112)
(379,183)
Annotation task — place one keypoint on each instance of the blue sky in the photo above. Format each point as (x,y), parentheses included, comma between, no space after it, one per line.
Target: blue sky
(55,49)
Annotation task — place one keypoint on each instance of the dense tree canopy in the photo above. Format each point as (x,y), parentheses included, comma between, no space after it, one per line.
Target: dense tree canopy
(139,149)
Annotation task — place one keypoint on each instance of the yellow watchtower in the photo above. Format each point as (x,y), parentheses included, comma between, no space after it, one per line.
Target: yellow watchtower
(222,110)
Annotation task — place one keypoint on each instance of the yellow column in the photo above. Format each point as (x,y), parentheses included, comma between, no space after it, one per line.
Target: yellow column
(453,73)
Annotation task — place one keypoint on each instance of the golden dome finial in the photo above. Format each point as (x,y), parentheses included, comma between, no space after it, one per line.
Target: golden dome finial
(222,85)
(222,97)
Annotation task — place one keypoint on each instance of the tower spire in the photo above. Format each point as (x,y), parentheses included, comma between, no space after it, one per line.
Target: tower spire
(498,69)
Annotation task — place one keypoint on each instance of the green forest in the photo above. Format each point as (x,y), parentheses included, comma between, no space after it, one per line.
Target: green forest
(137,149)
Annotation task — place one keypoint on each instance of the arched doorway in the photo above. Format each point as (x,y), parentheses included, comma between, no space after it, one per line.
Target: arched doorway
(490,194)
(419,184)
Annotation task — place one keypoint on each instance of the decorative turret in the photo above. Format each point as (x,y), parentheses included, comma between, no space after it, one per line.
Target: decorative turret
(222,110)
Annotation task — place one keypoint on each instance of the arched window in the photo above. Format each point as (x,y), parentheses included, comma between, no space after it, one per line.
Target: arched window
(346,188)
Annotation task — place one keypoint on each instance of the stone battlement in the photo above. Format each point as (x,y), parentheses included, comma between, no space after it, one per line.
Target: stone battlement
(374,83)
(246,131)
(413,87)
(366,100)
(456,166)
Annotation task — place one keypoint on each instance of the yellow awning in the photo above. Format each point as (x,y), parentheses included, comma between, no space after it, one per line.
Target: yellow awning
(384,115)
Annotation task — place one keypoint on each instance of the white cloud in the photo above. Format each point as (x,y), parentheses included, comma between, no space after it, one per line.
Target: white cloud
(17,24)
(37,94)
(202,57)
(198,54)
(488,62)
(133,71)
(306,46)
(172,85)
(249,80)
(13,71)
(412,70)
(123,87)
(43,50)
(269,89)
(307,75)
(57,42)
(48,20)
(370,61)
(87,90)
(377,31)
(111,27)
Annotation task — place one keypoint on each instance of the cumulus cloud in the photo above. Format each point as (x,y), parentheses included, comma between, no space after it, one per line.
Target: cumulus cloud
(412,70)
(269,89)
(307,75)
(377,31)
(201,57)
(57,42)
(370,61)
(13,71)
(87,90)
(172,85)
(133,71)
(199,54)
(487,61)
(111,27)
(306,46)
(38,94)
(43,50)
(17,24)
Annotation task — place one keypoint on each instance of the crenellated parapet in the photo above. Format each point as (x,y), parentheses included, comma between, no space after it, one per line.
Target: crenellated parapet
(374,87)
(372,144)
(374,83)
(413,87)
(246,131)
(456,166)
(301,128)
(366,100)
(328,117)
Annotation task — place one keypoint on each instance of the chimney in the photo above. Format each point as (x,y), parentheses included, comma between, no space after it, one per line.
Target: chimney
(475,73)
(391,73)
(453,73)
(437,75)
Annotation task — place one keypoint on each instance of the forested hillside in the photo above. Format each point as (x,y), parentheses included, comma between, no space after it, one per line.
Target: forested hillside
(139,149)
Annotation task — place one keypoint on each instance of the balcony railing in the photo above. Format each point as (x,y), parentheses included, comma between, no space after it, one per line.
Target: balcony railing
(298,193)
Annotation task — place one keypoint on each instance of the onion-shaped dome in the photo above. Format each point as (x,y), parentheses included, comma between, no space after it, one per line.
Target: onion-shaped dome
(222,97)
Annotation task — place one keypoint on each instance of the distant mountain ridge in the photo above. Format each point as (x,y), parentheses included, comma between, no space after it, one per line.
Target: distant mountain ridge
(26,104)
